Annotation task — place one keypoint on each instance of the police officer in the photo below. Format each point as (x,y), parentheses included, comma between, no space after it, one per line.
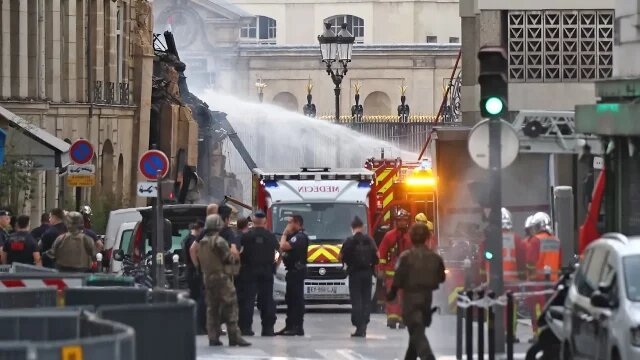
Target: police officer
(5,222)
(215,260)
(21,247)
(419,271)
(294,244)
(57,228)
(256,275)
(73,251)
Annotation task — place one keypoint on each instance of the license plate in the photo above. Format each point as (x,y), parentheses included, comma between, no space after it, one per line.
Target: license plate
(322,289)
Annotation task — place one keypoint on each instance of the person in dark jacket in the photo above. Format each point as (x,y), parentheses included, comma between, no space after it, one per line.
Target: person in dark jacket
(359,253)
(194,277)
(37,232)
(57,228)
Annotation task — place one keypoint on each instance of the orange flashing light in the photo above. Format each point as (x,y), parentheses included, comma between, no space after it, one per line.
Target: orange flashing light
(421,181)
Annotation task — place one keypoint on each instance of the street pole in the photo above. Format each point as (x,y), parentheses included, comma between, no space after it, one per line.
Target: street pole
(494,233)
(337,80)
(78,198)
(158,250)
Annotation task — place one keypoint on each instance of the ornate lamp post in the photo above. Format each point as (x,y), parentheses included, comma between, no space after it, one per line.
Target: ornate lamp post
(260,87)
(336,48)
(357,111)
(309,109)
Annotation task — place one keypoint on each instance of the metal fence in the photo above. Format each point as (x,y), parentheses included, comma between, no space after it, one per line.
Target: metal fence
(62,335)
(15,298)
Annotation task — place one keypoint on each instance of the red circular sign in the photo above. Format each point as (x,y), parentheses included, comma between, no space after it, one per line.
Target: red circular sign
(153,161)
(81,151)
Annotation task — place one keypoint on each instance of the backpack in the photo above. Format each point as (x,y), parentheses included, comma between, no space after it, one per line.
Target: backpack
(363,253)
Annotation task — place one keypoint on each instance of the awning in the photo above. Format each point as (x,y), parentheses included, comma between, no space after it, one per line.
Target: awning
(27,141)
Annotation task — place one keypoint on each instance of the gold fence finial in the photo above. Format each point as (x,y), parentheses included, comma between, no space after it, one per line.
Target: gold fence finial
(357,86)
(403,88)
(309,85)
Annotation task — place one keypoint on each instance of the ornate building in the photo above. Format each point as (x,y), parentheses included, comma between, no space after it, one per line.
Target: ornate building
(49,80)
(230,44)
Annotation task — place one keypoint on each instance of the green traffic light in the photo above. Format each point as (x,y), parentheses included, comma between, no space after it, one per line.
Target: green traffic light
(488,255)
(493,105)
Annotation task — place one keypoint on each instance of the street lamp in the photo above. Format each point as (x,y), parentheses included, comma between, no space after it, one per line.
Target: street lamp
(336,48)
(260,87)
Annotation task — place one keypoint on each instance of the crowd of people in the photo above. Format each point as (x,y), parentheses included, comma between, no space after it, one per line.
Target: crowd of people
(63,240)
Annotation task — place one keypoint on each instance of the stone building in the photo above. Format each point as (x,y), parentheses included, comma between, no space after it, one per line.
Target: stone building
(50,80)
(230,44)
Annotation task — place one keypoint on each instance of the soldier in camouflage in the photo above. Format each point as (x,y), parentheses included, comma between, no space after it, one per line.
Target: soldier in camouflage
(73,251)
(419,271)
(218,267)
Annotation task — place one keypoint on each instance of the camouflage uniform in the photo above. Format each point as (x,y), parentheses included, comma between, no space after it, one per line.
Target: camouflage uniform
(419,271)
(73,251)
(218,266)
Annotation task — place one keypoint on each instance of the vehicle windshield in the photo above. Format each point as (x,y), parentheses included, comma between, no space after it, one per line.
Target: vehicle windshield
(322,221)
(126,239)
(631,266)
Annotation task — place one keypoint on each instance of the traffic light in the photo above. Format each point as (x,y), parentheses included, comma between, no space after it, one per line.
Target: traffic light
(494,81)
(168,192)
(488,255)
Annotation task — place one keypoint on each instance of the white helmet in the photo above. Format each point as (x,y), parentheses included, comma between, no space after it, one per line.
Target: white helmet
(541,221)
(507,224)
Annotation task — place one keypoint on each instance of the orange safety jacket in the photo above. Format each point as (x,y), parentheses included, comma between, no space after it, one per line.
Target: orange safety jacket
(543,257)
(391,246)
(511,243)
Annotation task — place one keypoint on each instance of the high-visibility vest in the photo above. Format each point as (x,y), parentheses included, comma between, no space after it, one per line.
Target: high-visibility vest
(549,257)
(509,263)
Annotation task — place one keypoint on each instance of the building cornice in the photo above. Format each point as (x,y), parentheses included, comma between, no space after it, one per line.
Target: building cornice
(358,50)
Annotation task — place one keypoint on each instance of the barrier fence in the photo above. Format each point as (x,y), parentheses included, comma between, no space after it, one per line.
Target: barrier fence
(480,305)
(63,334)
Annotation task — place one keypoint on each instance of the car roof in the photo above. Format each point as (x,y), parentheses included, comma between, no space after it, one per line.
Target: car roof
(127,226)
(622,245)
(128,210)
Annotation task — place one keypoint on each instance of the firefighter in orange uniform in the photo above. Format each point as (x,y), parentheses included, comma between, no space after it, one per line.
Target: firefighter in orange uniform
(512,257)
(543,261)
(393,244)
(422,218)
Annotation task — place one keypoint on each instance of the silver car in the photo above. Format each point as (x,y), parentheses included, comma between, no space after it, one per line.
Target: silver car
(602,310)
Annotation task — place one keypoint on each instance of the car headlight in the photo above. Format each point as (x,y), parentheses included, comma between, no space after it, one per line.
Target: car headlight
(635,336)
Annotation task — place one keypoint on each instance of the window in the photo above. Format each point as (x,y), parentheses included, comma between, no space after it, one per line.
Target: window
(454,40)
(261,30)
(119,50)
(432,39)
(322,221)
(631,266)
(126,239)
(590,276)
(355,25)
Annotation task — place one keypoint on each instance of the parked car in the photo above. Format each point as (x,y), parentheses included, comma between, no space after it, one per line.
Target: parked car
(602,311)
(117,218)
(123,240)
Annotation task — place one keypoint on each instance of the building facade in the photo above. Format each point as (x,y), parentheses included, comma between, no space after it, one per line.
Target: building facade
(230,45)
(77,69)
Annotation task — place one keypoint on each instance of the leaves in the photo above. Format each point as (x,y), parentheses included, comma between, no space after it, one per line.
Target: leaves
(17,178)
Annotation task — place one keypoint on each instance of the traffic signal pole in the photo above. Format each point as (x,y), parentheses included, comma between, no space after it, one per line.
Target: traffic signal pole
(493,80)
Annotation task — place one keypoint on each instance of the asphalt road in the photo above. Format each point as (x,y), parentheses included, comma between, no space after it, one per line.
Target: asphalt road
(327,337)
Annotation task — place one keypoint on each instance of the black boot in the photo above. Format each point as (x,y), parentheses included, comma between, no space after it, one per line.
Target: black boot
(239,341)
(267,332)
(215,342)
(360,332)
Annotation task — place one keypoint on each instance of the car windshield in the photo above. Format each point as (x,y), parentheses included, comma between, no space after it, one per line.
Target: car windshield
(322,221)
(176,240)
(126,239)
(632,280)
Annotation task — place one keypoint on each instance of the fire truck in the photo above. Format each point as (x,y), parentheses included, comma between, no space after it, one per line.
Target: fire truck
(327,199)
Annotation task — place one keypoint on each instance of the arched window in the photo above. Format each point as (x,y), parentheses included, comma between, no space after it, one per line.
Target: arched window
(260,30)
(355,25)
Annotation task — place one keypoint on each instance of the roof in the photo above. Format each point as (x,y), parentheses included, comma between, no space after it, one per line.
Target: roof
(224,7)
(45,149)
(318,170)
(623,245)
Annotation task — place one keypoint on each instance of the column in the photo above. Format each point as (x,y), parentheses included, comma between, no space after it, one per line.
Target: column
(69,88)
(32,30)
(110,57)
(82,94)
(19,54)
(5,49)
(53,48)
(96,24)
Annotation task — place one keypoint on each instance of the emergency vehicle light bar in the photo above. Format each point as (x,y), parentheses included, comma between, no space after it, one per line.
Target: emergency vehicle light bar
(307,176)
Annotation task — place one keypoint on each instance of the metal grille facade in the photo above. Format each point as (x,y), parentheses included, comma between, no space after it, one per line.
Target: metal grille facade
(560,45)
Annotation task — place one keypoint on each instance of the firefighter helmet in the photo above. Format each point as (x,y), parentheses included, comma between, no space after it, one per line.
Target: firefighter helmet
(86,210)
(507,224)
(541,221)
(402,214)
(421,218)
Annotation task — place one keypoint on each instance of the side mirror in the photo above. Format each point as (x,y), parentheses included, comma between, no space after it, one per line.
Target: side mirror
(600,300)
(118,255)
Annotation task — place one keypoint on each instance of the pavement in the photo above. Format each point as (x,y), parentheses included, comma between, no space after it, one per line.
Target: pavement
(327,333)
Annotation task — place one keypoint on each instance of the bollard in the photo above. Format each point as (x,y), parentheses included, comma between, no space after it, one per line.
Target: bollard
(563,214)
(466,265)
(459,316)
(468,335)
(99,266)
(176,270)
(480,315)
(510,329)
(491,336)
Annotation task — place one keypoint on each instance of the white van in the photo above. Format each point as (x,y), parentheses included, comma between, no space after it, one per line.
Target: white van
(117,218)
(123,240)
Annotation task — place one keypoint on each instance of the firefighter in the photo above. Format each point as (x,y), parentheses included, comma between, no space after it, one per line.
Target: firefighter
(542,261)
(512,257)
(422,218)
(393,244)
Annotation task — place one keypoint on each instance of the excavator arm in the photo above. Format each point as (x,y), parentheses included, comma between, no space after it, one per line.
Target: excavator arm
(230,132)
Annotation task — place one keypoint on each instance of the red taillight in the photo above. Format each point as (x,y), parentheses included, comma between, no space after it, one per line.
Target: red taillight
(137,239)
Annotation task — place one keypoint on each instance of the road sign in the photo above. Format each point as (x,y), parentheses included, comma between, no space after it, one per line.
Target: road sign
(81,180)
(85,169)
(153,161)
(81,151)
(478,144)
(147,189)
